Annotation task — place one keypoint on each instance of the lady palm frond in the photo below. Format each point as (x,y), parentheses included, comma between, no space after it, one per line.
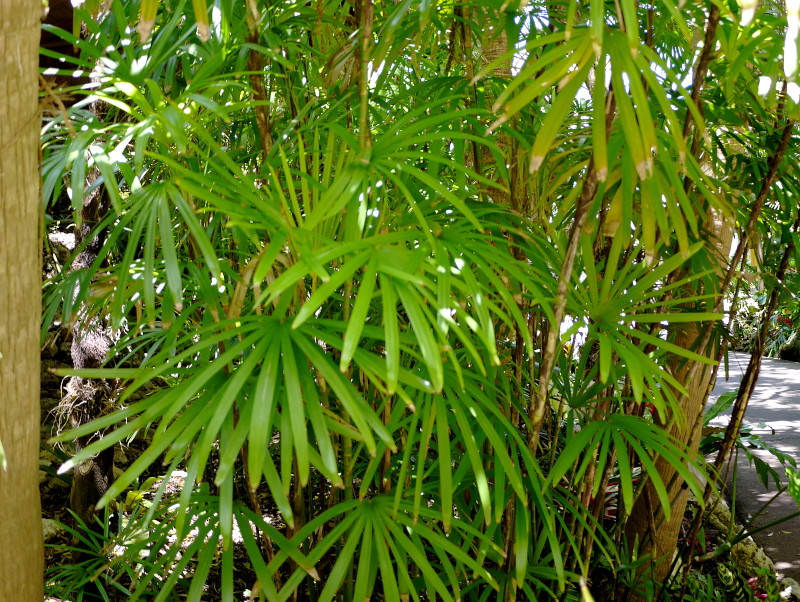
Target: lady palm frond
(348,246)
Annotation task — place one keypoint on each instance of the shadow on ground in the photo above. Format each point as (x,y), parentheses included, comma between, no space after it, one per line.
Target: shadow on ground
(773,413)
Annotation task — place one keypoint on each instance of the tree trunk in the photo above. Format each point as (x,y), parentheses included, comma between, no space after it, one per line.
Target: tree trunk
(86,400)
(21,547)
(657,535)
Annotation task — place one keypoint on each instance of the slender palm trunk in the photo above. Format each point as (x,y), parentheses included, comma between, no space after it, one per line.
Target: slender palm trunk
(21,555)
(655,533)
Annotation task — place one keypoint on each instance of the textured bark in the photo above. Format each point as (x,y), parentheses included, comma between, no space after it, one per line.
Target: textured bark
(660,536)
(495,46)
(656,534)
(21,547)
(87,400)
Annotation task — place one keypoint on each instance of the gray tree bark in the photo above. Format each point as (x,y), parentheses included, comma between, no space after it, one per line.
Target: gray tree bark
(21,547)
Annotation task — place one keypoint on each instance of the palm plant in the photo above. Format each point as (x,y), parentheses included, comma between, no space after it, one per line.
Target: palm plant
(348,236)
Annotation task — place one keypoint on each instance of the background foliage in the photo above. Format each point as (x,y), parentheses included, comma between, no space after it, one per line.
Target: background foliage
(416,290)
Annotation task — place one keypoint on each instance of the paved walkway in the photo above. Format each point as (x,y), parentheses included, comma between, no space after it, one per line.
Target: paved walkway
(776,404)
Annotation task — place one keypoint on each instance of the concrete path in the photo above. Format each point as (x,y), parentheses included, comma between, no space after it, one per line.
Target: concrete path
(776,404)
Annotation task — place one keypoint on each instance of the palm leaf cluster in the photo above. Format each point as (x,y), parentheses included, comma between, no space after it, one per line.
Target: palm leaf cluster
(409,283)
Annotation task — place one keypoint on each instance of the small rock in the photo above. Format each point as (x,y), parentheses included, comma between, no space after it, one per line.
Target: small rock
(43,475)
(790,589)
(49,380)
(120,457)
(56,483)
(720,518)
(50,529)
(62,243)
(48,403)
(47,479)
(49,349)
(48,431)
(47,457)
(749,557)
